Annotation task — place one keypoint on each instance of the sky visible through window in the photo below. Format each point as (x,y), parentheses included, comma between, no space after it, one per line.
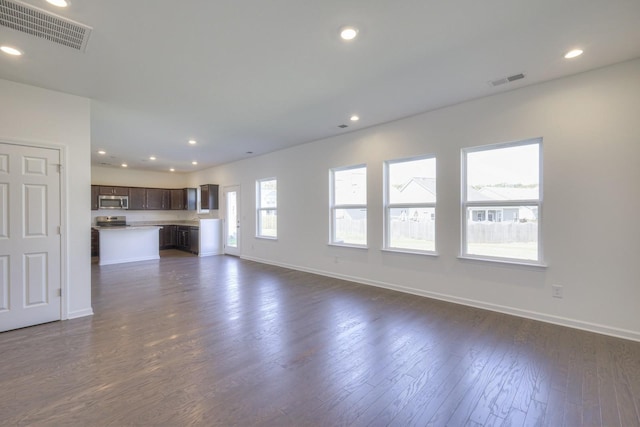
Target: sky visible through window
(350,186)
(402,172)
(510,165)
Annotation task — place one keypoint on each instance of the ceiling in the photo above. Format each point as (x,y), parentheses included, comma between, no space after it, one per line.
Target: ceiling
(249,77)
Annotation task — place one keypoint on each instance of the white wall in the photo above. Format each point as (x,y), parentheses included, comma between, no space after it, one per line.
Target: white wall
(32,115)
(591,232)
(137,178)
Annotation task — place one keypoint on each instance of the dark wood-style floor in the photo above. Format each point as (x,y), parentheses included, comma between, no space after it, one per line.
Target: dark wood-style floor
(222,341)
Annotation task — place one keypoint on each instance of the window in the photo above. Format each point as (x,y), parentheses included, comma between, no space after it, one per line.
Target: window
(348,202)
(267,208)
(502,202)
(410,186)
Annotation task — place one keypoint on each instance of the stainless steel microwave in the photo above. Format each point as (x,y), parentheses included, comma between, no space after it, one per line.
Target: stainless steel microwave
(113,202)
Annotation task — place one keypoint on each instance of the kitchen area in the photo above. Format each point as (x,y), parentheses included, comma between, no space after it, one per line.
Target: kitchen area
(135,223)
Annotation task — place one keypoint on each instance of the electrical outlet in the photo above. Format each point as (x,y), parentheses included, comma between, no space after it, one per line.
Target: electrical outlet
(556,291)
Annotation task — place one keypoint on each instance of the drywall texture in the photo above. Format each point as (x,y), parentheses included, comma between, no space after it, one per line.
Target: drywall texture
(591,233)
(36,116)
(136,178)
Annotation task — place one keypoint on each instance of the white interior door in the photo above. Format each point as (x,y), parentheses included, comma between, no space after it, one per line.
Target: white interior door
(232,220)
(29,236)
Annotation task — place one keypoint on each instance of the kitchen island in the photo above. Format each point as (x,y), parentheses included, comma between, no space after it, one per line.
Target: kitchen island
(128,244)
(202,237)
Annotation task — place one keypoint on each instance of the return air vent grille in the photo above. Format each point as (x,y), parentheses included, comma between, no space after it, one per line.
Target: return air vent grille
(504,80)
(43,24)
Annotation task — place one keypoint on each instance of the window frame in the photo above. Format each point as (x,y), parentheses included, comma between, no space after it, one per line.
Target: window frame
(260,209)
(487,205)
(387,206)
(333,207)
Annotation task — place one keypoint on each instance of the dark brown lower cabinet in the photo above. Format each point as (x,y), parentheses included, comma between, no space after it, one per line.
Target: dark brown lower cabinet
(183,241)
(187,238)
(168,237)
(95,242)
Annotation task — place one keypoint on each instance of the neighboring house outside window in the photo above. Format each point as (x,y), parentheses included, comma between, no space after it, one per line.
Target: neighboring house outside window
(267,208)
(502,202)
(348,206)
(410,204)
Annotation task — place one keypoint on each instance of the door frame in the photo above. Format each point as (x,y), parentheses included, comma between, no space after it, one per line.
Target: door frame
(225,189)
(64,230)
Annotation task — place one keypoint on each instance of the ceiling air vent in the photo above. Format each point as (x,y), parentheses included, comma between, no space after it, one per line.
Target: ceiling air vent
(343,126)
(504,80)
(43,24)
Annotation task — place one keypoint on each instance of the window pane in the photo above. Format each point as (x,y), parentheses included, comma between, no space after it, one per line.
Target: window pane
(268,223)
(350,186)
(503,231)
(268,194)
(350,226)
(510,173)
(232,219)
(412,228)
(413,181)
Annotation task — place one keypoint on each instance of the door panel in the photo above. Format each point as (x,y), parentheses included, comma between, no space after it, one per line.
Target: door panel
(35,211)
(35,166)
(4,283)
(29,236)
(4,210)
(35,279)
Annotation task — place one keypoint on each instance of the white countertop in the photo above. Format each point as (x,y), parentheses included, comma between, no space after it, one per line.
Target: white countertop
(138,224)
(192,223)
(126,227)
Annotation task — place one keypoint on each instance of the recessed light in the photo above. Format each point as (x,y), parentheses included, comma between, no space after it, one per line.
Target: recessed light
(573,53)
(152,158)
(10,50)
(194,163)
(124,165)
(348,33)
(59,3)
(172,170)
(193,142)
(354,118)
(102,152)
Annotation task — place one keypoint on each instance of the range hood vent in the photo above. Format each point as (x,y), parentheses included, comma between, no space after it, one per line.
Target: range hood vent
(504,80)
(44,24)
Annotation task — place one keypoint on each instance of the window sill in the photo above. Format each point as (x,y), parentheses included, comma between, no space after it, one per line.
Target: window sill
(266,238)
(522,263)
(410,252)
(346,245)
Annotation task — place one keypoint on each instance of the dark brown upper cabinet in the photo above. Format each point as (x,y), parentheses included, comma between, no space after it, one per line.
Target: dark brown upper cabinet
(209,196)
(104,190)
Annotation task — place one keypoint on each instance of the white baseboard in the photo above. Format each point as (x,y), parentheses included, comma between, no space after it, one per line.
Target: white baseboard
(534,315)
(79,313)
